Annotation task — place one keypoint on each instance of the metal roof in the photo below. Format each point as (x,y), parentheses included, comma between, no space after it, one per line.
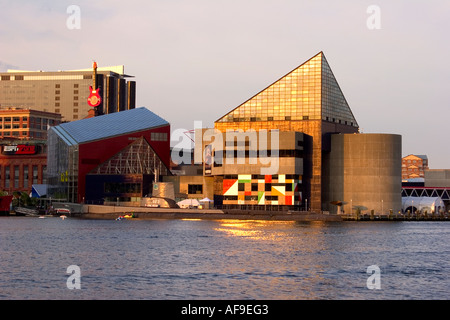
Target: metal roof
(108,125)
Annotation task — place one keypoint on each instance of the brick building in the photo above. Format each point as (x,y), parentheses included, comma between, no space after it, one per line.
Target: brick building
(23,150)
(414,166)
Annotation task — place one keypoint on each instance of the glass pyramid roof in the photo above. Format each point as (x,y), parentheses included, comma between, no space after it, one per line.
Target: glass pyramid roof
(309,92)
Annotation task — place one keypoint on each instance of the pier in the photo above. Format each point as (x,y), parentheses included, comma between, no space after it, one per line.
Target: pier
(417,216)
(112,212)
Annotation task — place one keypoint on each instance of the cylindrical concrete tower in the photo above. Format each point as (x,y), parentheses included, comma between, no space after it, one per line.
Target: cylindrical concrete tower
(365,173)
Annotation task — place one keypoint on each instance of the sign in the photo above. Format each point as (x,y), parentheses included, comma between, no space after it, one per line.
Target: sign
(94,98)
(20,149)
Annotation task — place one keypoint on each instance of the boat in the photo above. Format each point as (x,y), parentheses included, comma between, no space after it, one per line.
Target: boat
(23,211)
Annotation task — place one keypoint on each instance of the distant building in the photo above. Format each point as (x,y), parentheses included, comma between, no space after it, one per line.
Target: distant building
(23,158)
(414,166)
(66,92)
(26,124)
(437,178)
(110,158)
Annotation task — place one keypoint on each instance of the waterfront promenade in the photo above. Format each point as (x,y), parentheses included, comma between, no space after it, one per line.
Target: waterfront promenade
(112,212)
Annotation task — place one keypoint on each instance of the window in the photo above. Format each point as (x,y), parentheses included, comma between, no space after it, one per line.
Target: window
(158,136)
(195,189)
(35,174)
(16,176)
(7,177)
(25,176)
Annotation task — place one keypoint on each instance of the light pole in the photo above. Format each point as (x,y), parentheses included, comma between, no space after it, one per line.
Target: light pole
(381,206)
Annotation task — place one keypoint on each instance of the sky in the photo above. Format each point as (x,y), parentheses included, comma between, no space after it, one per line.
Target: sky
(196,60)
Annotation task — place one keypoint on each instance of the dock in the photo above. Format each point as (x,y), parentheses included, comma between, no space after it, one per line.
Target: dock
(112,212)
(397,217)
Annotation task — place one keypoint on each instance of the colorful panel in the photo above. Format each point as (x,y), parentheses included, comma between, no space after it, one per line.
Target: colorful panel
(245,178)
(273,190)
(261,198)
(278,190)
(230,187)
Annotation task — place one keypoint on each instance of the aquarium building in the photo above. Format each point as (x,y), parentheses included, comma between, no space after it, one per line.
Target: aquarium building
(108,158)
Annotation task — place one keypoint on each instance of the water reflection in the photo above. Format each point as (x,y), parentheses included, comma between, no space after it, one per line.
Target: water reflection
(226,259)
(253,229)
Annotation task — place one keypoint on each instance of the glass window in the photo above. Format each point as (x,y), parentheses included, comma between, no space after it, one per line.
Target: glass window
(195,189)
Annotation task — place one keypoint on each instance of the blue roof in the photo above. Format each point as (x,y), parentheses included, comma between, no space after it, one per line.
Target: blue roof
(108,125)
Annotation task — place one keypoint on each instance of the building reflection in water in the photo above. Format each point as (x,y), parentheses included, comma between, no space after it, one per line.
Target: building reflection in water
(300,259)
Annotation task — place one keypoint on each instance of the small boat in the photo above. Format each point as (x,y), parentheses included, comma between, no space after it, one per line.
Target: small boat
(129,216)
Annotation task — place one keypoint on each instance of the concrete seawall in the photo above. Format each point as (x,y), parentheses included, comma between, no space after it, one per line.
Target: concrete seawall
(112,212)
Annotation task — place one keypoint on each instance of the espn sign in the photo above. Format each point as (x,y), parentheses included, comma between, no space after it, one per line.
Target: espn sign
(19,149)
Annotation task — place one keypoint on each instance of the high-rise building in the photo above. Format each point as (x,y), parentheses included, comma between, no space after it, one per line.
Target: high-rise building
(66,92)
(308,100)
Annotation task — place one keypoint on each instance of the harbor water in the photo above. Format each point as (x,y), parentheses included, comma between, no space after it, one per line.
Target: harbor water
(223,259)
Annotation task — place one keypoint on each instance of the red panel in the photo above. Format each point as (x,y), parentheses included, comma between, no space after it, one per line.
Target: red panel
(227,184)
(288,200)
(268,179)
